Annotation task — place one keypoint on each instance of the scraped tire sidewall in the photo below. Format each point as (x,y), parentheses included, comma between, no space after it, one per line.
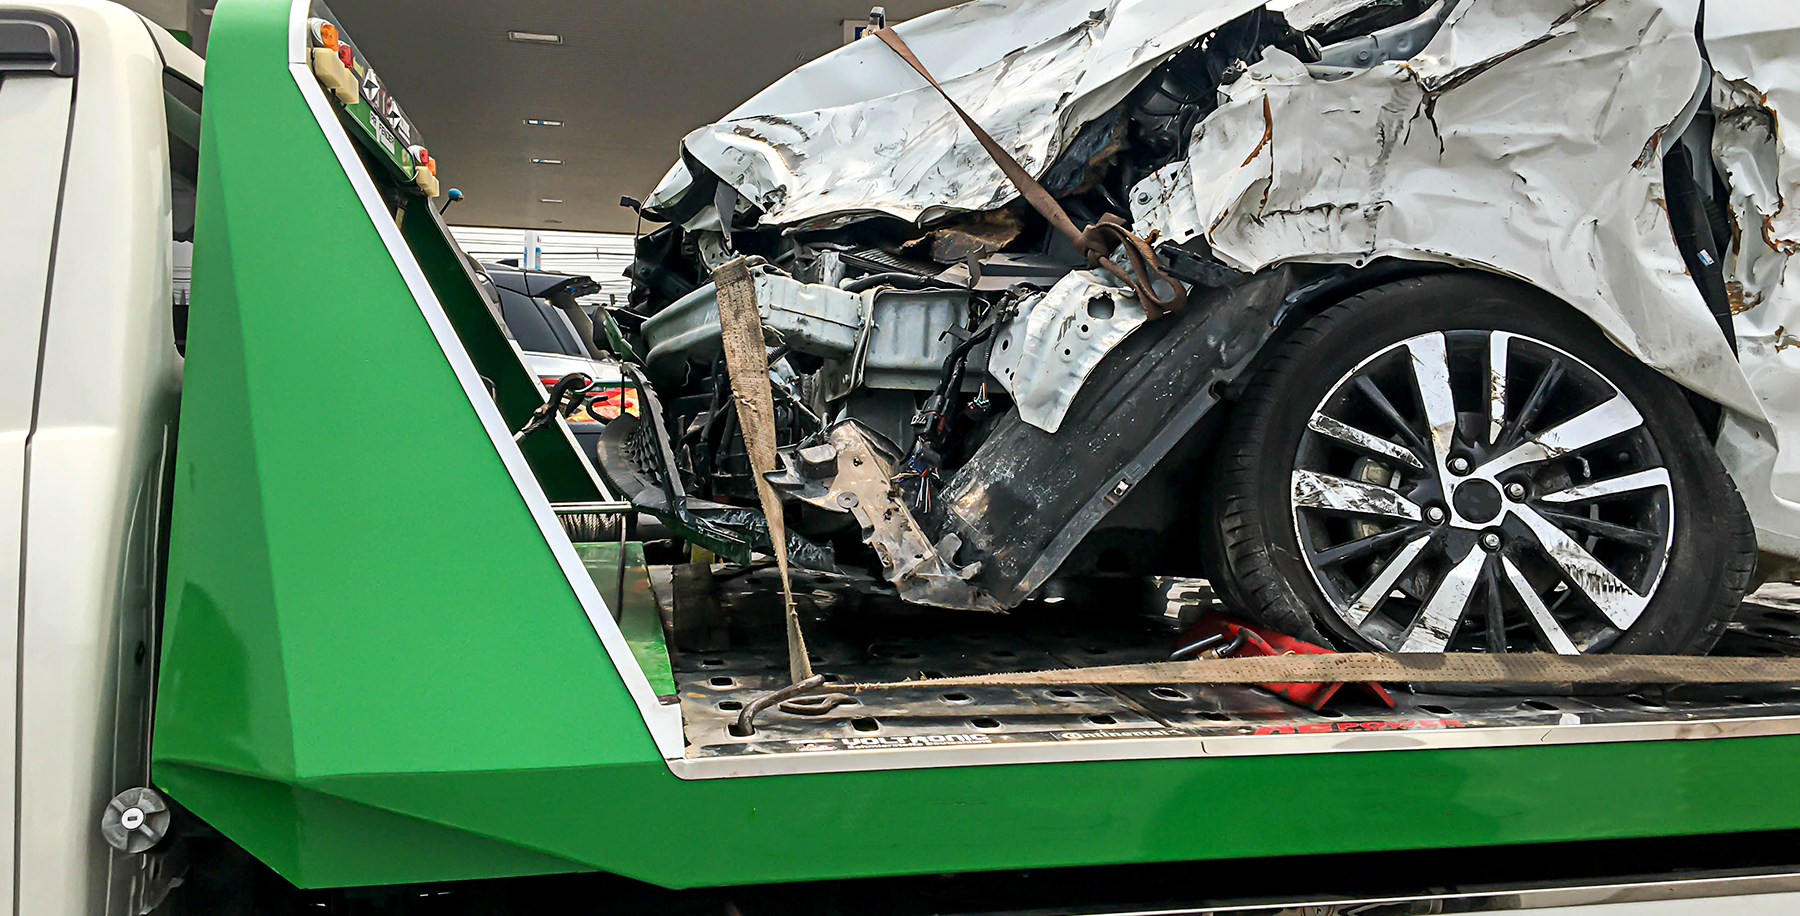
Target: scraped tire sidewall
(1709,521)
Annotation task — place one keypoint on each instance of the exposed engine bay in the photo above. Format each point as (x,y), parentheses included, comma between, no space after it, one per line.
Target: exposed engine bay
(966,403)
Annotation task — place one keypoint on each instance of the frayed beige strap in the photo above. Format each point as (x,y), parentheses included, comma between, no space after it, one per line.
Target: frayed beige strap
(747,362)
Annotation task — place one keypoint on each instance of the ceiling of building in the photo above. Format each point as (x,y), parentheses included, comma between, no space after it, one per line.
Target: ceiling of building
(629,79)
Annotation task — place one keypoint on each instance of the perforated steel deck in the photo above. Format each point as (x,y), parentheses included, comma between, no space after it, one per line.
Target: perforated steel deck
(859,634)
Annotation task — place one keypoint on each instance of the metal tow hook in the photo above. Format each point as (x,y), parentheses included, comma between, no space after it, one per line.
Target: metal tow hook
(745,726)
(1215,646)
(565,396)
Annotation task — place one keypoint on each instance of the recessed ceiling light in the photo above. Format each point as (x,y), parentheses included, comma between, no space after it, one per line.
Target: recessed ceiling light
(542,38)
(546,162)
(549,200)
(541,122)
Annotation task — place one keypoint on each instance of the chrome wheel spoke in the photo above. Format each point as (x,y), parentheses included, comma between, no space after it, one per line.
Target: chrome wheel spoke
(1590,427)
(1613,486)
(1367,442)
(1541,618)
(1378,588)
(1436,622)
(1431,373)
(1614,598)
(1496,388)
(1343,496)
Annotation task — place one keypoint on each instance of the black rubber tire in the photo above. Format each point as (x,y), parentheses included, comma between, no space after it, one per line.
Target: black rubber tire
(1253,552)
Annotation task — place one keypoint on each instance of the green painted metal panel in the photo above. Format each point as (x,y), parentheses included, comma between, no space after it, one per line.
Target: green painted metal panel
(639,619)
(516,392)
(374,670)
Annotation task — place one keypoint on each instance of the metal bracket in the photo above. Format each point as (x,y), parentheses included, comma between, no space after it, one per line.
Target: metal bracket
(852,472)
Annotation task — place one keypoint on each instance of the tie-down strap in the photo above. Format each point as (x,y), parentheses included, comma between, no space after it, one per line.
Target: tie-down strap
(1098,241)
(1416,667)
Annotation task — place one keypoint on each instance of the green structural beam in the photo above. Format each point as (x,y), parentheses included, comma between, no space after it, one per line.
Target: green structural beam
(376,672)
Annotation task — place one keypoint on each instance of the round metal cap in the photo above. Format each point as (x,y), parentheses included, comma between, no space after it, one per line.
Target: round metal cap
(135,820)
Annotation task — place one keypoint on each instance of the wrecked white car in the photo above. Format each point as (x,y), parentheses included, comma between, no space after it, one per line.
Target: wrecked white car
(1412,326)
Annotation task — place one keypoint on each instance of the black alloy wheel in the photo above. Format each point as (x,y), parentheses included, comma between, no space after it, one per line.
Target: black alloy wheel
(1461,463)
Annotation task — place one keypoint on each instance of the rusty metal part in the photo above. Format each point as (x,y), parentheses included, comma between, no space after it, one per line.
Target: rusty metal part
(977,235)
(1099,240)
(863,486)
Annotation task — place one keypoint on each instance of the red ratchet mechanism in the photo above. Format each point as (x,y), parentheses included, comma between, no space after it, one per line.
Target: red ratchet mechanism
(1216,635)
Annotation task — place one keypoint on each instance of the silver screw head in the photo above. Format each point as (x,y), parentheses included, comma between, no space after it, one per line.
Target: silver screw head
(1434,513)
(1459,465)
(1491,541)
(1515,491)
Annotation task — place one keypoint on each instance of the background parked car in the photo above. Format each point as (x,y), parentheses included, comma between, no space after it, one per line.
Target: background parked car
(554,346)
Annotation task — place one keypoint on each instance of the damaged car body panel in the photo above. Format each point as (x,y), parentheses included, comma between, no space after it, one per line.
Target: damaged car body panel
(1755,91)
(1002,398)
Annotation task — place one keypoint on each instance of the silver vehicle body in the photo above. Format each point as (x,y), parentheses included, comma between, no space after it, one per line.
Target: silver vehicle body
(1524,138)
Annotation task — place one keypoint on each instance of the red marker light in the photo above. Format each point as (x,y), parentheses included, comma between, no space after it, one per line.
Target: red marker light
(346,55)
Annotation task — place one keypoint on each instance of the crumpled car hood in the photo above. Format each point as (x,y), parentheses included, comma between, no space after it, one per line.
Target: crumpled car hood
(858,132)
(1522,139)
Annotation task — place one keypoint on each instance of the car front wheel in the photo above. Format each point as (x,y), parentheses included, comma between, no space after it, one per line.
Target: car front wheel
(1461,463)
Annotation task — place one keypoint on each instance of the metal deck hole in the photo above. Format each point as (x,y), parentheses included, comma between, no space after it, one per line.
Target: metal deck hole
(730,705)
(721,682)
(711,662)
(1167,693)
(1215,716)
(1063,693)
(866,724)
(1440,710)
(956,698)
(985,722)
(1546,707)
(1101,718)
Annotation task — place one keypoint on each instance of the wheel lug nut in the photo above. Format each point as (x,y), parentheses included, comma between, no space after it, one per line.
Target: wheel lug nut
(1459,465)
(1434,514)
(1491,541)
(1515,491)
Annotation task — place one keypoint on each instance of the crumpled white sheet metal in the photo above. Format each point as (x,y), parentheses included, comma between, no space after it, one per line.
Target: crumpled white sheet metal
(858,132)
(1522,139)
(1755,52)
(1043,355)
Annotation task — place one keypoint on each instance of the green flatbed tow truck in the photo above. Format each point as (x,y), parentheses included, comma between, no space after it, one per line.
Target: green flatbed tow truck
(298,628)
